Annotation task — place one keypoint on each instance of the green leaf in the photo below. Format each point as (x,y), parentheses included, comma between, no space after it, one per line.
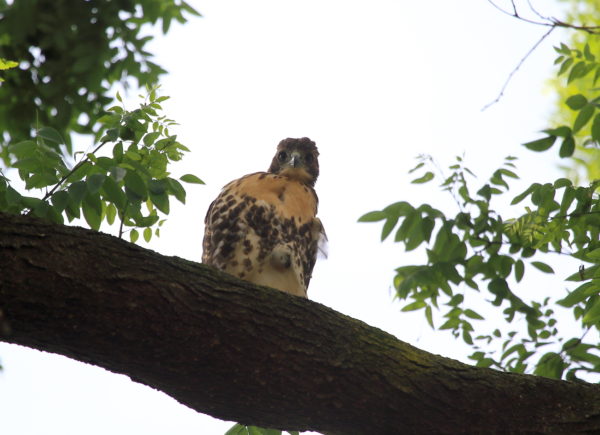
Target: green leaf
(112,134)
(77,192)
(161,201)
(94,201)
(540,144)
(567,199)
(113,193)
(596,128)
(562,182)
(92,216)
(147,234)
(583,117)
(134,235)
(135,184)
(388,226)
(254,430)
(583,274)
(576,102)
(588,54)
(176,189)
(593,314)
(191,178)
(551,365)
(429,316)
(51,135)
(565,66)
(580,294)
(24,149)
(517,199)
(7,64)
(419,166)
(28,165)
(12,196)
(500,289)
(578,70)
(508,173)
(472,314)
(150,138)
(60,200)
(94,182)
(111,213)
(428,176)
(519,270)
(237,429)
(158,187)
(414,306)
(562,131)
(118,152)
(567,148)
(118,173)
(373,216)
(542,266)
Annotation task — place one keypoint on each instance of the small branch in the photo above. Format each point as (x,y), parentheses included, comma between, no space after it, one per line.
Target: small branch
(536,12)
(550,22)
(71,172)
(514,71)
(516,15)
(122,221)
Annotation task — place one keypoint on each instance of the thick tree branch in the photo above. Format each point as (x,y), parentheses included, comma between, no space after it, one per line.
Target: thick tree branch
(250,354)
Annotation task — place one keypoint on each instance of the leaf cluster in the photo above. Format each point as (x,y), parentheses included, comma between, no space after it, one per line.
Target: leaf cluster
(576,65)
(130,184)
(478,250)
(71,52)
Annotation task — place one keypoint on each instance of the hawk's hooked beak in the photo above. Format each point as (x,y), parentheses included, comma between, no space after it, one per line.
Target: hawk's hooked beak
(295,160)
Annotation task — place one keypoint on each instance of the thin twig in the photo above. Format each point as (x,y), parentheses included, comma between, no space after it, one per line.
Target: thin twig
(122,221)
(62,180)
(514,7)
(548,21)
(516,15)
(536,12)
(513,72)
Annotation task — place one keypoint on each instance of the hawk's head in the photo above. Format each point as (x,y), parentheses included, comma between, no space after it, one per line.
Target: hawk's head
(297,159)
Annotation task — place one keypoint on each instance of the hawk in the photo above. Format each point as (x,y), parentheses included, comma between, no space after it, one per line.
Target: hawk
(263,227)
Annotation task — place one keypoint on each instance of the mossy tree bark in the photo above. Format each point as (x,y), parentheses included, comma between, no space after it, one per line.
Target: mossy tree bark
(249,354)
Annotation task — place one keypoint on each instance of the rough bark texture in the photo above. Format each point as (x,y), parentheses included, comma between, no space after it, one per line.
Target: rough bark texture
(254,355)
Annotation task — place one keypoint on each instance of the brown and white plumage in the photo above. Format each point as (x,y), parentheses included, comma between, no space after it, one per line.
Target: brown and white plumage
(263,227)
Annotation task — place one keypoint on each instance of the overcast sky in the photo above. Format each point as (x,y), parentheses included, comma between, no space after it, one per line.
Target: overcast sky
(374,84)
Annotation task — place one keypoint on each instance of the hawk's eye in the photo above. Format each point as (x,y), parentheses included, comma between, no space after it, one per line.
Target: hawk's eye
(308,158)
(282,156)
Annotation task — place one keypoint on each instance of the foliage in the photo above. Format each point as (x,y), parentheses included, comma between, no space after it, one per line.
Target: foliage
(240,429)
(579,61)
(7,64)
(71,52)
(478,251)
(131,183)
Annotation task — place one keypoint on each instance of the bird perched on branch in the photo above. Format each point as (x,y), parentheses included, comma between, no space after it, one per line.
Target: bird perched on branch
(263,227)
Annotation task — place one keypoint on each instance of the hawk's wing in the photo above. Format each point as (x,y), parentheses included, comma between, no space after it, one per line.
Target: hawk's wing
(263,228)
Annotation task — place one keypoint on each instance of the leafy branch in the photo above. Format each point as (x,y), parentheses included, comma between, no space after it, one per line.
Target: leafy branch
(545,20)
(133,182)
(550,22)
(478,246)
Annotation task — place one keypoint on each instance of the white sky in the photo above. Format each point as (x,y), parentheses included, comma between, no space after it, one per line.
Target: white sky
(374,84)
